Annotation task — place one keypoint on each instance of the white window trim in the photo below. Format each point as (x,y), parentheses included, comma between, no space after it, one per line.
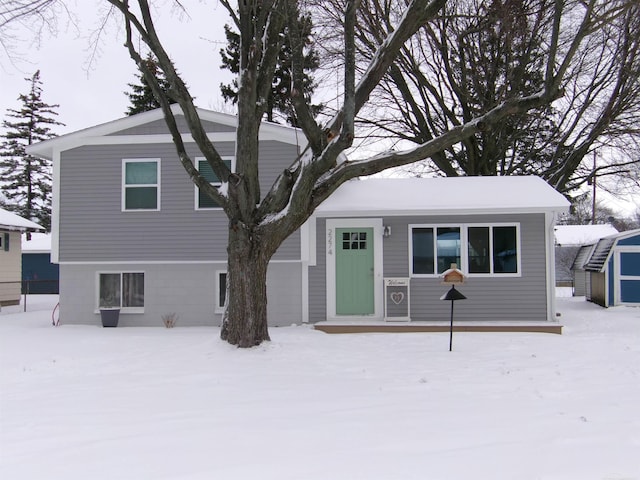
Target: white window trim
(128,310)
(219,308)
(464,248)
(215,184)
(124,186)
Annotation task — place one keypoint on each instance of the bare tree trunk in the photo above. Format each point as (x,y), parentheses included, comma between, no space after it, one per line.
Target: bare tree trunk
(245,319)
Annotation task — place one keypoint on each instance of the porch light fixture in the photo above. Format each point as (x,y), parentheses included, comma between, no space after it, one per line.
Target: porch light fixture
(386,231)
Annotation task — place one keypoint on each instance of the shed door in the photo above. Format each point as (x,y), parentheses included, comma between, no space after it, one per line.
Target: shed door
(354,271)
(630,277)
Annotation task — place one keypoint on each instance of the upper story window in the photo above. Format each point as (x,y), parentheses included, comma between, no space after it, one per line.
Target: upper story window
(141,184)
(203,201)
(476,249)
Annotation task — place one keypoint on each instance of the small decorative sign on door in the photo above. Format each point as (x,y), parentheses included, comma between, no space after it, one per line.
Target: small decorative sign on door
(396,304)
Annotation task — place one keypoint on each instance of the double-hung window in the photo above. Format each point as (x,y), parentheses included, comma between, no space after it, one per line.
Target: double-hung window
(121,289)
(141,184)
(204,201)
(475,249)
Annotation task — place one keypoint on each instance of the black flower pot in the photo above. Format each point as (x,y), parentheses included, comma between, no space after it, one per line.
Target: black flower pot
(110,316)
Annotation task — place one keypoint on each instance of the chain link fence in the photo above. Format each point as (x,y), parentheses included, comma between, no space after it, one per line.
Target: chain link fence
(16,293)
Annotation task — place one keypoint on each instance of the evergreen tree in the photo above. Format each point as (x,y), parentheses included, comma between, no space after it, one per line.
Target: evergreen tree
(279,98)
(26,180)
(141,96)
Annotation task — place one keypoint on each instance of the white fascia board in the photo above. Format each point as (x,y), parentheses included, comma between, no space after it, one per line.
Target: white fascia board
(77,138)
(627,234)
(90,135)
(437,212)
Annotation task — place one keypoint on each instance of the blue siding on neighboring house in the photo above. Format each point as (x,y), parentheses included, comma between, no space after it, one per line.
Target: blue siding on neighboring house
(633,240)
(42,275)
(617,259)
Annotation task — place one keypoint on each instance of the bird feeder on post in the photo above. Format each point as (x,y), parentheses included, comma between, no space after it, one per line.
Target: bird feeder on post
(452,277)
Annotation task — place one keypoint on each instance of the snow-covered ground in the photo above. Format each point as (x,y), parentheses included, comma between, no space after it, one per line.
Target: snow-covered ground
(79,402)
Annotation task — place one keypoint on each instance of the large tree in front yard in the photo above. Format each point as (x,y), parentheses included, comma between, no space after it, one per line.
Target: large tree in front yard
(260,221)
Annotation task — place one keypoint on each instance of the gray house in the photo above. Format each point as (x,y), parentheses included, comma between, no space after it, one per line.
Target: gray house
(129,227)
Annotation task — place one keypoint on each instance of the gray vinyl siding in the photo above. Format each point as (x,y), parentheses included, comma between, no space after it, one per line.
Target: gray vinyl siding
(93,227)
(581,283)
(522,298)
(188,290)
(159,127)
(318,278)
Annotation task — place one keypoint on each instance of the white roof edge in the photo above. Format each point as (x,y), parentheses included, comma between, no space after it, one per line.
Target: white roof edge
(444,196)
(438,212)
(284,133)
(11,221)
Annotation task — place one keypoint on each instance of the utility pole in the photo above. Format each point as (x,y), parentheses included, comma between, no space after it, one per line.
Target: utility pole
(593,195)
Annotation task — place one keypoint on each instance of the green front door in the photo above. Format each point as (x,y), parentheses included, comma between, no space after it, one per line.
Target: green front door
(354,271)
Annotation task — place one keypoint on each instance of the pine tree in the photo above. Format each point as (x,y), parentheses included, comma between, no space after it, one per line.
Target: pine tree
(141,96)
(25,180)
(278,99)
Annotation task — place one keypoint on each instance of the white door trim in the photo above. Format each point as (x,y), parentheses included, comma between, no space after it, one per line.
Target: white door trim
(618,277)
(330,243)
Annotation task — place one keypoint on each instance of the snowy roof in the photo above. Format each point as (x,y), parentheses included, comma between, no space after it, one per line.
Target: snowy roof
(582,234)
(39,243)
(582,257)
(435,196)
(11,221)
(268,131)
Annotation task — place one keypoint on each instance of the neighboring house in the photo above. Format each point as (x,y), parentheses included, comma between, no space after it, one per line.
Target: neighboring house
(11,225)
(129,224)
(613,267)
(39,275)
(581,278)
(569,240)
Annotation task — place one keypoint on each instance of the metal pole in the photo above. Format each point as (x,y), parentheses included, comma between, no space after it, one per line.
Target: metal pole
(593,195)
(26,291)
(451,328)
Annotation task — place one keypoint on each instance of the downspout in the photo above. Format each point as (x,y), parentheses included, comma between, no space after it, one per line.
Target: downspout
(55,207)
(550,219)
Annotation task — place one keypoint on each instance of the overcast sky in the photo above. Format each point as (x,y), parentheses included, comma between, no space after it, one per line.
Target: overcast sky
(91,91)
